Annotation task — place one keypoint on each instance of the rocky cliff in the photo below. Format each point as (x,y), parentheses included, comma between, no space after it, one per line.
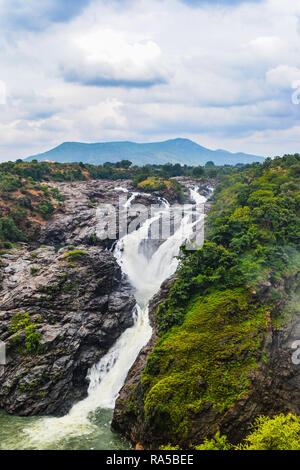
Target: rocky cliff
(60,312)
(63,301)
(77,220)
(273,383)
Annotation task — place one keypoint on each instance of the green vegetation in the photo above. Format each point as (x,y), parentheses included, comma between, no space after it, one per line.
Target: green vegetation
(154,184)
(26,200)
(206,361)
(213,324)
(46,209)
(9,230)
(218,443)
(75,256)
(282,432)
(167,188)
(34,270)
(25,332)
(169,447)
(278,433)
(12,173)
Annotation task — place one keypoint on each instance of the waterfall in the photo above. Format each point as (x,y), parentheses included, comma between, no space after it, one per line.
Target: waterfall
(146,274)
(197,197)
(131,199)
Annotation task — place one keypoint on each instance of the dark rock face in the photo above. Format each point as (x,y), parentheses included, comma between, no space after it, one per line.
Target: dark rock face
(76,222)
(79,306)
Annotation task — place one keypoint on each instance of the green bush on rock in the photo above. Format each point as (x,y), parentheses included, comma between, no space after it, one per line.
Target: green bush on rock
(278,433)
(25,332)
(75,256)
(282,432)
(218,443)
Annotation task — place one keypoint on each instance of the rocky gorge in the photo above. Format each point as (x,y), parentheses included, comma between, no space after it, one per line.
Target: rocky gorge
(77,305)
(63,301)
(63,304)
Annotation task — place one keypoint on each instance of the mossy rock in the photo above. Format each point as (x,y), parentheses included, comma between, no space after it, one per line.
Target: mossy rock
(205,360)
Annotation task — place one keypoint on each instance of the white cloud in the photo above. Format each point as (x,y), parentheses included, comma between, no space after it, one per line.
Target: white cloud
(152,69)
(106,57)
(283,76)
(2,92)
(107,113)
(266,45)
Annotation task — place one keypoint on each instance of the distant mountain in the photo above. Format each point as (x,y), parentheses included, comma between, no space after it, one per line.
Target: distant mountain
(183,151)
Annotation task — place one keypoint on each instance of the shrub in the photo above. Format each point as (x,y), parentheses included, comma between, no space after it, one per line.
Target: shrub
(206,359)
(75,256)
(198,171)
(25,202)
(34,270)
(46,209)
(278,433)
(21,323)
(218,443)
(9,231)
(152,184)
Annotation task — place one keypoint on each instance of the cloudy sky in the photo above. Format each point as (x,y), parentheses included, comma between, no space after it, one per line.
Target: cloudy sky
(225,73)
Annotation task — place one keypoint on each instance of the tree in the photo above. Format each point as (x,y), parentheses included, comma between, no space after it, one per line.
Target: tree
(46,209)
(9,231)
(123,164)
(198,171)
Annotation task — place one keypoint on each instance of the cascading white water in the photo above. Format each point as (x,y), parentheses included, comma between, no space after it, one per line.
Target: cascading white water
(146,274)
(198,198)
(131,199)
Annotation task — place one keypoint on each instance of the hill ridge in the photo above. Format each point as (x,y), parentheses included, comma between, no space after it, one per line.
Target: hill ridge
(178,150)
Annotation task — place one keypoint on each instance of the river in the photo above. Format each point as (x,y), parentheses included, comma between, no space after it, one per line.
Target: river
(87,425)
